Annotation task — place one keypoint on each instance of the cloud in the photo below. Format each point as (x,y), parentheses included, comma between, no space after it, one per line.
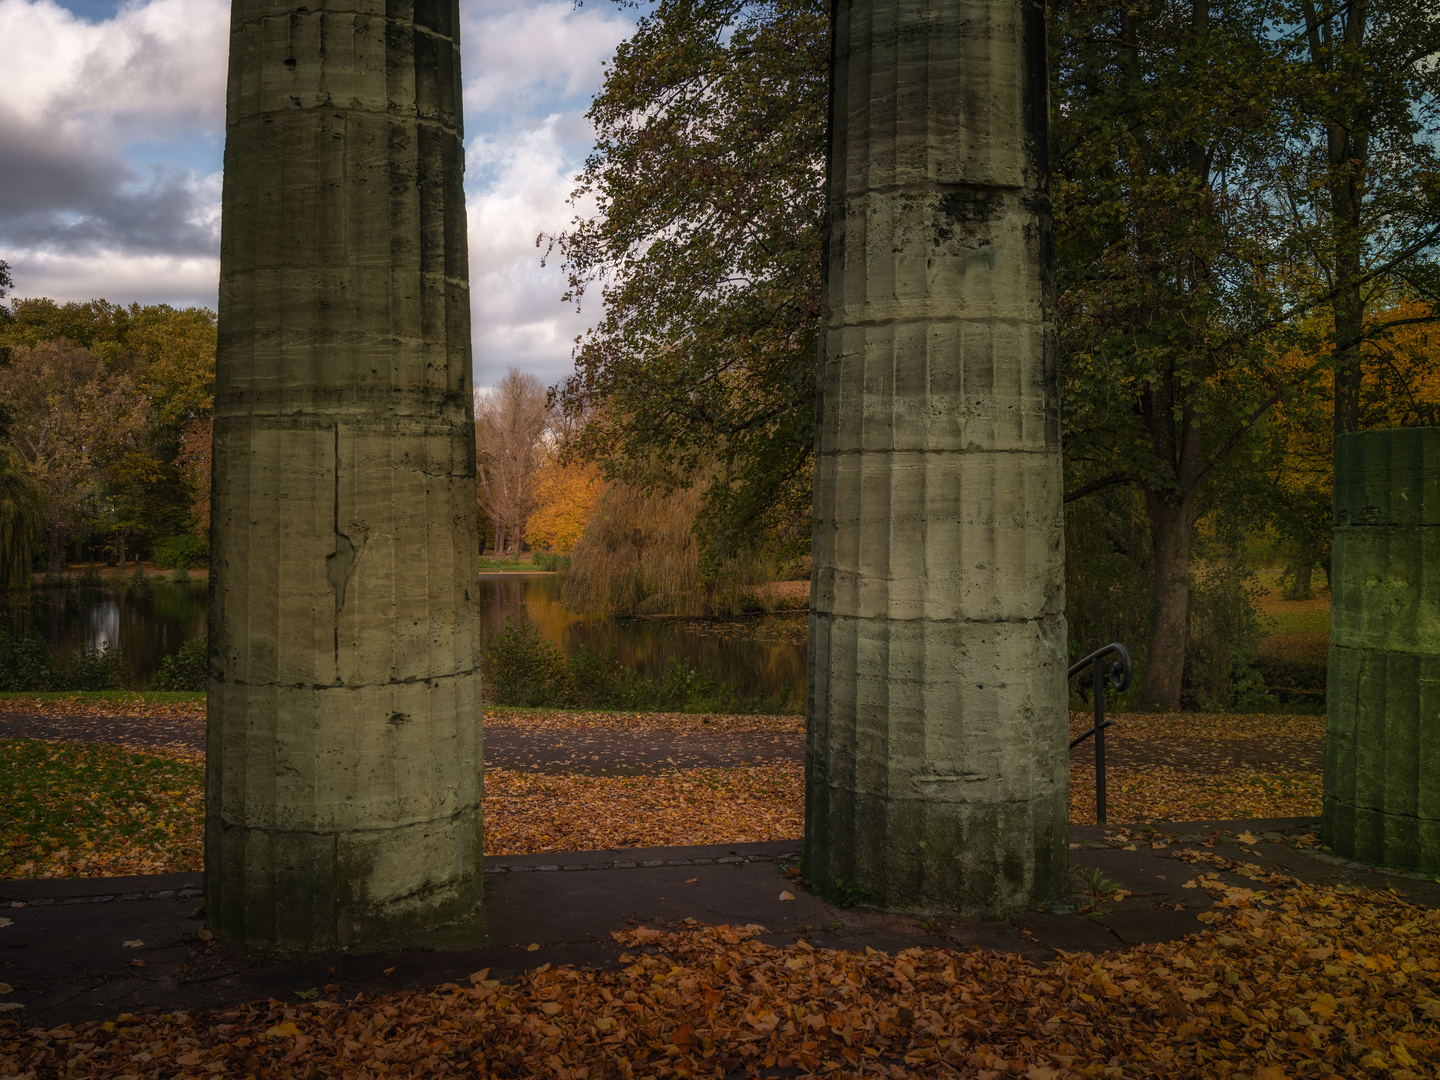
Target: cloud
(77,94)
(519,55)
(519,319)
(110,136)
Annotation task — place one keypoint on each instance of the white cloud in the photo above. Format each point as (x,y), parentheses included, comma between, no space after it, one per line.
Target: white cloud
(152,68)
(518,316)
(518,55)
(110,136)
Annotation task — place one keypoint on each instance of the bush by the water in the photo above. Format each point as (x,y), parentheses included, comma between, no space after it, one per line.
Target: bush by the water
(27,664)
(520,667)
(187,552)
(184,669)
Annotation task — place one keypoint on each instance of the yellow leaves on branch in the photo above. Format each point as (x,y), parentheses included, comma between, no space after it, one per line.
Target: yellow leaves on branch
(565,497)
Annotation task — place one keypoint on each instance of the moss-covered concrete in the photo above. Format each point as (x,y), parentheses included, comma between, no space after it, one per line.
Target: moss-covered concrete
(344,741)
(1382,745)
(937,763)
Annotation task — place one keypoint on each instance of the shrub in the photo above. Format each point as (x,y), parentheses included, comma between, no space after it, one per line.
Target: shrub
(25,663)
(522,668)
(92,668)
(187,668)
(186,552)
(550,560)
(90,579)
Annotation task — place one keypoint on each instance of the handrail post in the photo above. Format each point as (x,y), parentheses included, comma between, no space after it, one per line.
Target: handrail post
(1097,679)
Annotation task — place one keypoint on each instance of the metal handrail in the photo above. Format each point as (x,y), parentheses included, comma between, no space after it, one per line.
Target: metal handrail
(1121,672)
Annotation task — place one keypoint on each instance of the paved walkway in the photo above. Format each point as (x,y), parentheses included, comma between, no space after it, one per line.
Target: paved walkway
(622,749)
(70,949)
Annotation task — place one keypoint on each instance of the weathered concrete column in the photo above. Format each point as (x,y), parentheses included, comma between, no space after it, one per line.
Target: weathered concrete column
(1382,739)
(344,746)
(937,764)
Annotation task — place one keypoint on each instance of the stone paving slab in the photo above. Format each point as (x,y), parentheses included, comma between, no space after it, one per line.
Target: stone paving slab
(66,951)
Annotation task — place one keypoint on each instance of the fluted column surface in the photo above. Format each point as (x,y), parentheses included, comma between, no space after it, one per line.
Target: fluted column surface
(1382,740)
(344,740)
(937,763)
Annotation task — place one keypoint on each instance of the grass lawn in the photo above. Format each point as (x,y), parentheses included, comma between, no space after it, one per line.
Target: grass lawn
(88,810)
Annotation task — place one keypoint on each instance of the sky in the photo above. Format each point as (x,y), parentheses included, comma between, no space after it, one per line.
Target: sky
(112,128)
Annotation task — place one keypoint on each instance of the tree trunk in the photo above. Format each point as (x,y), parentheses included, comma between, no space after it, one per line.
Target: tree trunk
(1302,589)
(120,549)
(1170,525)
(55,547)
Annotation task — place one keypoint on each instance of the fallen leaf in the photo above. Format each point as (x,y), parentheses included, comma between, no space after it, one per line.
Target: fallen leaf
(283,1029)
(787,895)
(6,988)
(532,947)
(691,880)
(387,971)
(1246,838)
(4,922)
(137,943)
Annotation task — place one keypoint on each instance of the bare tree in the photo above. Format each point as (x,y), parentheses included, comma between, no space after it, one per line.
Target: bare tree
(511,425)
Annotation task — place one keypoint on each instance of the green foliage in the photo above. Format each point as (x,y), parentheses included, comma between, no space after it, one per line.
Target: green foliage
(706,176)
(25,663)
(92,668)
(185,669)
(550,560)
(22,520)
(183,552)
(519,667)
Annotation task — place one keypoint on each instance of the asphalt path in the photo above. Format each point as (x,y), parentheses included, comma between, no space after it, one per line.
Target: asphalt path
(625,750)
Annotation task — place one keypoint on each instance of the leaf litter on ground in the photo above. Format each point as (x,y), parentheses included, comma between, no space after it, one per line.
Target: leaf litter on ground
(1285,980)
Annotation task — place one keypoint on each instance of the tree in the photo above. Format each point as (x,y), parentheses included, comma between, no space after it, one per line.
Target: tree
(510,424)
(1364,176)
(22,521)
(566,495)
(706,173)
(72,421)
(1183,276)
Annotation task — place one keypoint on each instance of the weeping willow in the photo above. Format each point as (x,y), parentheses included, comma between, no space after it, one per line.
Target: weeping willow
(22,522)
(639,555)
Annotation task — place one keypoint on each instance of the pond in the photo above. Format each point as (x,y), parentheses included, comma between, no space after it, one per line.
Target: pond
(759,655)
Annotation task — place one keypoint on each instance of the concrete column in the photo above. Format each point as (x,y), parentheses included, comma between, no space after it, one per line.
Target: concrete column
(344,746)
(937,764)
(1382,740)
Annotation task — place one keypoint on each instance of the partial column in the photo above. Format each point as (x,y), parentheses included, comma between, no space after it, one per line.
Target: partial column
(937,761)
(344,742)
(1382,737)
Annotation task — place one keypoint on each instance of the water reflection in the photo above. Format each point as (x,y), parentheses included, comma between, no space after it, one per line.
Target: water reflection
(146,624)
(758,655)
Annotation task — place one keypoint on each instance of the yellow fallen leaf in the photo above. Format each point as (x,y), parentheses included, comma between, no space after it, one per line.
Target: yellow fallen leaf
(787,895)
(137,943)
(1402,1055)
(281,1030)
(532,947)
(6,988)
(4,922)
(691,880)
(1247,838)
